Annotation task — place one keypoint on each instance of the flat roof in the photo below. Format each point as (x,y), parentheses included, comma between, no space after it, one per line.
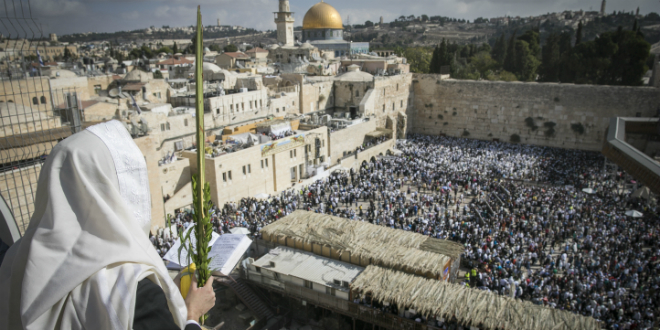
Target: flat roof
(309,266)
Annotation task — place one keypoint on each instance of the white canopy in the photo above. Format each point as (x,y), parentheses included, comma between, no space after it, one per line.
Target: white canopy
(634,214)
(240,230)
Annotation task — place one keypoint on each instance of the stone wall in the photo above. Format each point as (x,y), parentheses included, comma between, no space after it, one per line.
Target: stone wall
(356,160)
(348,139)
(498,110)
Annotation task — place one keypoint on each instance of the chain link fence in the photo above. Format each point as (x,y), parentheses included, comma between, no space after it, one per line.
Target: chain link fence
(33,116)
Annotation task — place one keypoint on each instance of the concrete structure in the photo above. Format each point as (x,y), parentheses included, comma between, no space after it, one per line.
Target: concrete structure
(284,266)
(284,20)
(231,60)
(265,168)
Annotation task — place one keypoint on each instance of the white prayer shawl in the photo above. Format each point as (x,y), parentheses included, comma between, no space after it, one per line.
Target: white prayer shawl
(87,247)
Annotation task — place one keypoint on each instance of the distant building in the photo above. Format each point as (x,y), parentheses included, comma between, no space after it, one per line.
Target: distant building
(284,20)
(53,36)
(602,8)
(323,28)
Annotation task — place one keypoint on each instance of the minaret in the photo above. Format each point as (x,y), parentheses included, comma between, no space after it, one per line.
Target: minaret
(602,8)
(284,20)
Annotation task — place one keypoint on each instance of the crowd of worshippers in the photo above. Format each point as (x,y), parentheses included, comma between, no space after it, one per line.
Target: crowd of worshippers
(282,135)
(528,229)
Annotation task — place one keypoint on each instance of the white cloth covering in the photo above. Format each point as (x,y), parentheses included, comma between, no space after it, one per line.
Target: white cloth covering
(87,246)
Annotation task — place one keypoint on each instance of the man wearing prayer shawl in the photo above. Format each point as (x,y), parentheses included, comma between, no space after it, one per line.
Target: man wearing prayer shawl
(85,260)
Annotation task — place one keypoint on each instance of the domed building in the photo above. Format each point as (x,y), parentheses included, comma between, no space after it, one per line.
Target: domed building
(322,28)
(322,22)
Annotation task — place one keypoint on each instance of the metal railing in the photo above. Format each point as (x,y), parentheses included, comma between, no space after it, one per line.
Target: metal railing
(34,117)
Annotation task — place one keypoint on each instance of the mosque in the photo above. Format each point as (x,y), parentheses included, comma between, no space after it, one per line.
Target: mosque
(322,28)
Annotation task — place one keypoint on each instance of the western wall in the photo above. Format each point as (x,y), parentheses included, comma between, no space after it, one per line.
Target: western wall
(547,114)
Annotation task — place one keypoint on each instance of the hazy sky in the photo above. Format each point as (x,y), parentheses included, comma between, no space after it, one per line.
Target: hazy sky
(72,16)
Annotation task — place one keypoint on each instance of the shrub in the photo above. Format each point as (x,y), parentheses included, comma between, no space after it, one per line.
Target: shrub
(515,138)
(578,128)
(466,133)
(549,124)
(454,113)
(529,121)
(445,124)
(550,132)
(441,117)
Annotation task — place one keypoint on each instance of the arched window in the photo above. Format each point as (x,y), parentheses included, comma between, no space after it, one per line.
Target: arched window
(35,101)
(43,99)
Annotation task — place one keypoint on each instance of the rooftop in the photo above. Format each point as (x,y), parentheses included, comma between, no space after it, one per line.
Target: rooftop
(308,266)
(391,248)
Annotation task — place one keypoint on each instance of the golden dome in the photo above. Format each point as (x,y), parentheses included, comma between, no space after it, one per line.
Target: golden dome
(322,16)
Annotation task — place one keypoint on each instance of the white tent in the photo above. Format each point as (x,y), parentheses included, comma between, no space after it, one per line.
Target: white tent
(240,231)
(634,214)
(643,192)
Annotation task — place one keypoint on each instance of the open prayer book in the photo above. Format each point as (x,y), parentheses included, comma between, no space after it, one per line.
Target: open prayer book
(226,252)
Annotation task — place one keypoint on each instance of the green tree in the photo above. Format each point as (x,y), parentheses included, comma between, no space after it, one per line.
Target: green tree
(551,59)
(525,63)
(434,66)
(483,63)
(368,24)
(419,59)
(215,48)
(158,74)
(531,37)
(175,49)
(230,48)
(165,50)
(510,59)
(499,50)
(578,34)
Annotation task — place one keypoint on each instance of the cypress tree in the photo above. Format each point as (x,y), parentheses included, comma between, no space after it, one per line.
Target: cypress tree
(499,50)
(510,59)
(578,34)
(434,67)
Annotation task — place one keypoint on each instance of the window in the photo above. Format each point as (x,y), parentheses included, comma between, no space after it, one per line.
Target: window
(397,87)
(244,170)
(290,153)
(168,126)
(383,91)
(330,291)
(97,89)
(224,177)
(250,104)
(229,175)
(401,103)
(242,105)
(322,159)
(231,107)
(383,107)
(337,282)
(262,163)
(276,276)
(393,105)
(35,101)
(162,127)
(344,284)
(43,99)
(249,168)
(185,122)
(266,162)
(261,103)
(295,153)
(278,110)
(271,263)
(258,269)
(308,284)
